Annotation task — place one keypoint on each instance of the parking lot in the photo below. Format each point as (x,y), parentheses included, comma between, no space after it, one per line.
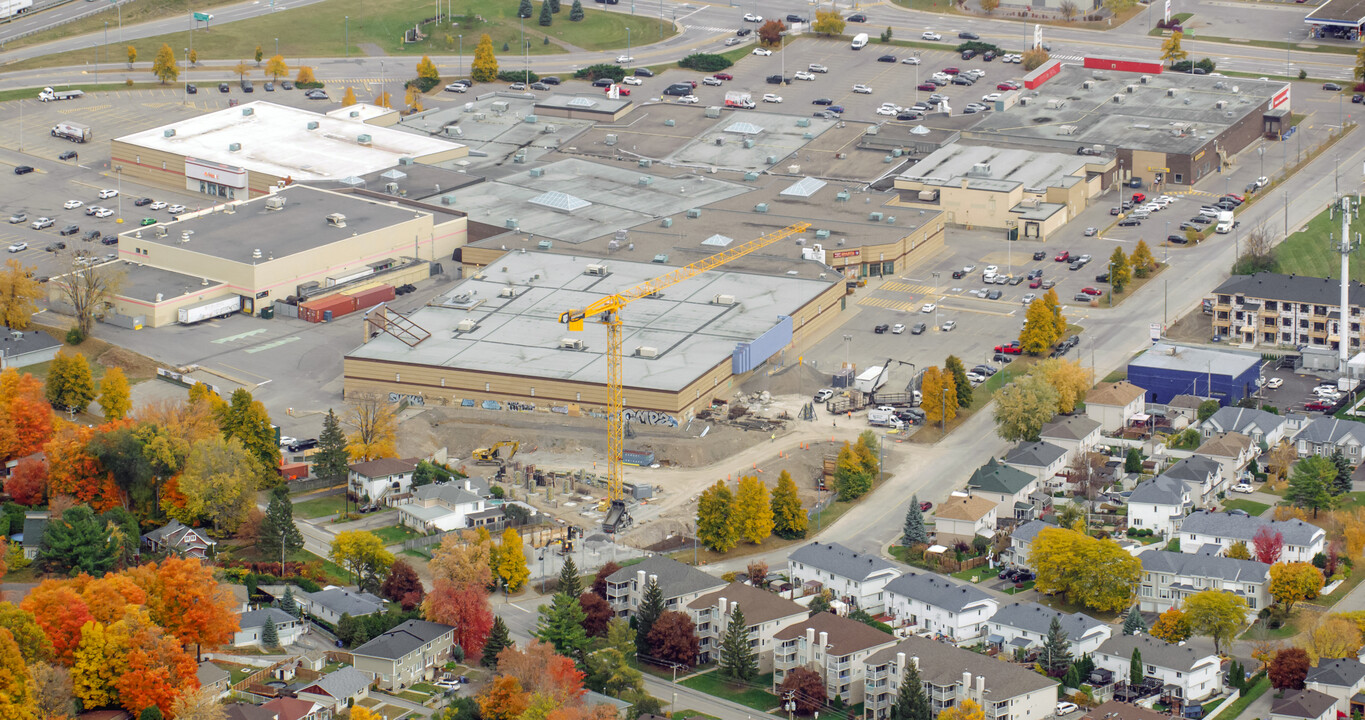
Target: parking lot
(1295,391)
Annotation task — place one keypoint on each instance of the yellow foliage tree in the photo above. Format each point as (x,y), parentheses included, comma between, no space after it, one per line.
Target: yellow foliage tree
(1335,636)
(100,660)
(374,432)
(242,69)
(1292,582)
(753,513)
(194,57)
(132,55)
(305,75)
(163,65)
(1171,51)
(360,712)
(966,710)
(1142,260)
(1034,59)
(349,98)
(1093,572)
(485,65)
(1216,614)
(828,22)
(363,555)
(427,69)
(1238,551)
(1068,378)
(19,291)
(18,698)
(276,68)
(1171,626)
(940,395)
(414,99)
(1040,329)
(383,99)
(512,561)
(114,396)
(1055,305)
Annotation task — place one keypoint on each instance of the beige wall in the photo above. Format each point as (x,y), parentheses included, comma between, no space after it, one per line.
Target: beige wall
(1143,162)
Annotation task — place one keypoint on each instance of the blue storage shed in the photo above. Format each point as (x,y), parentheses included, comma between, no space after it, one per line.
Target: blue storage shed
(1167,370)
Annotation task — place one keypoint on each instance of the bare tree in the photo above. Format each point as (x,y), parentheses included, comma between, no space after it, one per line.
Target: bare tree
(1069,9)
(1089,470)
(1258,253)
(88,288)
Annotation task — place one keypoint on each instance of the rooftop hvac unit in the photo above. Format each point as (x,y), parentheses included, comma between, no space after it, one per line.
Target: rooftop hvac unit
(545,244)
(1221,104)
(447,199)
(694,213)
(454,131)
(405,161)
(611,139)
(248,111)
(274,202)
(874,217)
(569,343)
(645,351)
(530,119)
(169,133)
(720,141)
(507,292)
(871,131)
(723,300)
(1088,84)
(645,162)
(1025,100)
(549,129)
(256,254)
(596,270)
(1118,97)
(463,297)
(234,147)
(1131,89)
(466,325)
(1055,103)
(312,125)
(353,113)
(670,123)
(644,181)
(1170,92)
(980,170)
(336,220)
(185,236)
(537,172)
(391,188)
(761,208)
(363,140)
(511,224)
(794,169)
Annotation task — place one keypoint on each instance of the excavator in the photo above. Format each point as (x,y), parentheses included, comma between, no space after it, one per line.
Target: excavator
(499,454)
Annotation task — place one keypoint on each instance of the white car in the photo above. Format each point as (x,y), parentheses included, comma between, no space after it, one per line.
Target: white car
(176,209)
(39,224)
(763,51)
(912,60)
(457,87)
(897,329)
(990,98)
(886,111)
(632,80)
(72,204)
(286,441)
(623,59)
(1029,298)
(158,205)
(716,82)
(817,67)
(1065,708)
(1262,182)
(1243,488)
(1274,383)
(750,17)
(453,685)
(823,394)
(803,75)
(862,89)
(930,35)
(104,213)
(769,97)
(991,270)
(91,209)
(689,99)
(107,193)
(1325,391)
(16,247)
(927,307)
(948,326)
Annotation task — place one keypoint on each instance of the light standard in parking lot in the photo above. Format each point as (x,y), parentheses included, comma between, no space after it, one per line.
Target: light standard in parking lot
(847,340)
(461,73)
(935,274)
(97,62)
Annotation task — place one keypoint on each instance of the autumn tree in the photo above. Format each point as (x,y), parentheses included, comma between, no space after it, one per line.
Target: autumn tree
(348,99)
(716,526)
(246,419)
(1171,51)
(828,22)
(363,555)
(132,56)
(1216,614)
(305,76)
(1023,407)
(164,66)
(465,608)
(966,710)
(59,610)
(1120,271)
(542,671)
(19,293)
(1292,582)
(1040,330)
(69,382)
(502,699)
(1268,543)
(25,415)
(1333,636)
(753,510)
(185,600)
(218,484)
(1289,668)
(114,395)
(1172,626)
(1068,378)
(109,598)
(990,6)
(770,32)
(939,393)
(1238,551)
(404,587)
(17,697)
(789,517)
(673,638)
(1310,484)
(1035,58)
(242,69)
(276,68)
(485,65)
(27,481)
(806,688)
(374,430)
(851,477)
(201,704)
(561,624)
(512,568)
(597,614)
(1142,260)
(52,690)
(599,581)
(1093,572)
(463,559)
(426,69)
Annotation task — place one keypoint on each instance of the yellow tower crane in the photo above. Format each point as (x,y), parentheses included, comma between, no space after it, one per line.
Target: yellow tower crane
(607,311)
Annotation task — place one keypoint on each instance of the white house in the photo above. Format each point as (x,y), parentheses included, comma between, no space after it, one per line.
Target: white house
(1193,673)
(1025,625)
(1342,678)
(252,627)
(1203,475)
(337,690)
(1202,528)
(1233,452)
(950,675)
(679,583)
(440,508)
(1077,433)
(1259,425)
(1021,542)
(377,482)
(1112,405)
(1304,705)
(1042,460)
(853,577)
(930,603)
(833,646)
(764,614)
(1158,505)
(330,603)
(1168,578)
(1008,487)
(1325,434)
(406,654)
(963,517)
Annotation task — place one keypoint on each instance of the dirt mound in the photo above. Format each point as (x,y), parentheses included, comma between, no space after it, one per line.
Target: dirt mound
(802,379)
(132,364)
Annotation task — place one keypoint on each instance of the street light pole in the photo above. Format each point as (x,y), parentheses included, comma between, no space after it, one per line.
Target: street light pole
(461,73)
(347,41)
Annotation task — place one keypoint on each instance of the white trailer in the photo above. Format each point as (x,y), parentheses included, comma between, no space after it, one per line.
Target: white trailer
(14,8)
(48,94)
(867,380)
(73,131)
(221,307)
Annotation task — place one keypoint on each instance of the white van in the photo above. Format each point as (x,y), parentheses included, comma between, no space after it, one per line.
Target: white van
(859,41)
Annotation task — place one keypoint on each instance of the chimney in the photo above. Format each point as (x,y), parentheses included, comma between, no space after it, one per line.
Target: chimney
(966,682)
(824,640)
(810,645)
(915,661)
(900,662)
(734,608)
(981,688)
(722,607)
(640,581)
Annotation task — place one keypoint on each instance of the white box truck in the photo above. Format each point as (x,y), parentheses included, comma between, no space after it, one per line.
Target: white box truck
(73,131)
(859,41)
(221,307)
(867,380)
(739,100)
(48,94)
(1225,222)
(11,8)
(884,418)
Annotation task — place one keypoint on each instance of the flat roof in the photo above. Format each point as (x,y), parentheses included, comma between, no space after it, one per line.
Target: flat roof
(521,335)
(1035,170)
(1171,112)
(298,226)
(275,139)
(498,135)
(1187,358)
(1338,12)
(361,112)
(144,282)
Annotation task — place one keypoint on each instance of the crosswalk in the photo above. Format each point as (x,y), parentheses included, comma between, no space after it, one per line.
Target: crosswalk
(708,28)
(897,286)
(888,303)
(1068,58)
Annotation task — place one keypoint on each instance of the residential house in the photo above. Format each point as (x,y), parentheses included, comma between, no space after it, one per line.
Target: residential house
(855,578)
(1302,541)
(1325,434)
(1159,504)
(337,690)
(440,508)
(330,603)
(1117,710)
(289,708)
(1233,452)
(1170,577)
(1203,475)
(1193,674)
(679,583)
(215,679)
(1112,405)
(1259,425)
(176,539)
(1025,625)
(252,633)
(1021,542)
(243,711)
(924,602)
(1342,678)
(620,708)
(35,526)
(833,646)
(1077,433)
(764,614)
(1009,488)
(963,517)
(405,654)
(1304,705)
(1005,691)
(1183,407)
(379,482)
(1043,460)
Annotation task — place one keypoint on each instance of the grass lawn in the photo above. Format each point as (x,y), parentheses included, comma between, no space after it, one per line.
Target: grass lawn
(1130,289)
(1250,506)
(390,711)
(321,31)
(1247,698)
(1308,253)
(416,554)
(321,507)
(238,672)
(1350,501)
(394,534)
(1342,590)
(29,93)
(686,714)
(981,574)
(411,696)
(749,695)
(1012,591)
(251,554)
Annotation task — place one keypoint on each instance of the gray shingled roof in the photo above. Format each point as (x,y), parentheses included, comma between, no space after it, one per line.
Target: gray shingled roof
(1341,672)
(1302,704)
(936,591)
(1244,527)
(1332,430)
(1156,652)
(1161,490)
(256,618)
(343,683)
(451,493)
(208,673)
(1028,531)
(402,640)
(1195,468)
(1292,288)
(343,601)
(1069,427)
(1247,421)
(837,559)
(674,578)
(1207,566)
(842,635)
(1038,619)
(998,477)
(1034,454)
(942,665)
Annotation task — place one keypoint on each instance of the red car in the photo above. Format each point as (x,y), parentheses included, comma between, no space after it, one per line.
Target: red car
(1091,291)
(625,92)
(1007,85)
(951,70)
(723,76)
(1035,283)
(927,87)
(926,506)
(1139,197)
(1235,196)
(1063,256)
(1009,348)
(1317,405)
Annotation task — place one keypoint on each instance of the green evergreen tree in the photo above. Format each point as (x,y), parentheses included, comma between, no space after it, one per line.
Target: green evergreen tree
(561,625)
(288,603)
(523,11)
(246,419)
(78,543)
(331,459)
(1135,672)
(151,712)
(278,530)
(1341,484)
(554,6)
(1133,462)
(569,582)
(651,607)
(270,637)
(346,628)
(1085,665)
(1056,654)
(576,12)
(914,532)
(498,639)
(546,16)
(737,660)
(911,702)
(1072,679)
(964,386)
(1134,624)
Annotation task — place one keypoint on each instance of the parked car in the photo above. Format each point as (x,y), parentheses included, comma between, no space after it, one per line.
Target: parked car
(881,328)
(918,329)
(948,326)
(1243,488)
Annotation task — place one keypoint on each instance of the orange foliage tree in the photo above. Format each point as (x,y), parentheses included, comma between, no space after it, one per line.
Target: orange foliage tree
(183,598)
(74,471)
(542,671)
(25,415)
(107,598)
(60,612)
(503,699)
(28,482)
(159,669)
(464,608)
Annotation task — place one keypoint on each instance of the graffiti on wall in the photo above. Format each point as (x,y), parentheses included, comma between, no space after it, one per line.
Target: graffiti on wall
(409,399)
(649,417)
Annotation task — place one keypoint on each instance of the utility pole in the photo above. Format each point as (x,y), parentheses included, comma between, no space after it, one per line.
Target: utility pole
(1345,246)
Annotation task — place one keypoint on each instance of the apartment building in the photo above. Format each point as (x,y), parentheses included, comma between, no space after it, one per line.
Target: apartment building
(1202,529)
(679,583)
(855,578)
(1192,674)
(924,602)
(1112,405)
(1325,435)
(1005,691)
(764,614)
(1170,577)
(1025,626)
(1274,310)
(1159,505)
(833,646)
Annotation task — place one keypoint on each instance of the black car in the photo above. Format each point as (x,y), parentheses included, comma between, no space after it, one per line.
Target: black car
(742,32)
(68,155)
(1036,273)
(821,101)
(1039,255)
(1129,222)
(644,72)
(856,17)
(1331,87)
(775,79)
(987,370)
(1184,226)
(993,295)
(1357,98)
(968,54)
(1003,358)
(68,230)
(550,80)
(603,82)
(316,94)
(968,35)
(958,274)
(1201,220)
(1102,277)
(887,59)
(191,89)
(54,247)
(269,87)
(224,87)
(140,202)
(794,18)
(881,328)
(108,239)
(988,56)
(303,445)
(678,90)
(22,169)
(910,117)
(91,235)
(287,85)
(962,80)
(918,329)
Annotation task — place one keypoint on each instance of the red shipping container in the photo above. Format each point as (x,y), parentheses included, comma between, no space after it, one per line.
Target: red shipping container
(373,296)
(315,310)
(294,471)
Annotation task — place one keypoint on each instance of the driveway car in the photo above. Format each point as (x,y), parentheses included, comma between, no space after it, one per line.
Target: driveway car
(862,89)
(1316,405)
(1274,383)
(1243,488)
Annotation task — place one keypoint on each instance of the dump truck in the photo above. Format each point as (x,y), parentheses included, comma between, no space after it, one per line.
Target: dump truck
(48,94)
(739,99)
(75,132)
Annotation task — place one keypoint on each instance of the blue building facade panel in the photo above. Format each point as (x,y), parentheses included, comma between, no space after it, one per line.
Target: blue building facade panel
(1163,384)
(750,355)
